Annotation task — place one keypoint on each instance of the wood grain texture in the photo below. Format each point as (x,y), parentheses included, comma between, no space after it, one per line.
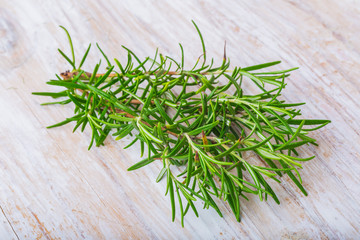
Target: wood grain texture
(53,188)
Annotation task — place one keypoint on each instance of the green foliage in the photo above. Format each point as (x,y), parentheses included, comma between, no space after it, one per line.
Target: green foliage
(209,130)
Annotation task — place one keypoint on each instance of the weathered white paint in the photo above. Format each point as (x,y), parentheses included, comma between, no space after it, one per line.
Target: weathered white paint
(52,187)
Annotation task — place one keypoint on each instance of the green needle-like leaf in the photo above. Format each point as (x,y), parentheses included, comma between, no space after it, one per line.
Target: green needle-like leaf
(71,47)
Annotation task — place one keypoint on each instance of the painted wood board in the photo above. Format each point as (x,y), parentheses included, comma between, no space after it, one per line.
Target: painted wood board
(52,187)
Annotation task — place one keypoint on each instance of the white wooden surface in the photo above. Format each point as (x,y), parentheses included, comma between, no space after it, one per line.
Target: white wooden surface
(51,187)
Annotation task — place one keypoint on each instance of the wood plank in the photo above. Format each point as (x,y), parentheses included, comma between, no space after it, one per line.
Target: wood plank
(6,229)
(52,187)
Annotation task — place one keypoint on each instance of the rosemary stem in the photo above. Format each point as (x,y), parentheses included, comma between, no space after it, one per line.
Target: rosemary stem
(203,134)
(69,75)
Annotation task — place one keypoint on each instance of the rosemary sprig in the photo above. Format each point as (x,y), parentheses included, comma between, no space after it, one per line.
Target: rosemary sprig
(191,121)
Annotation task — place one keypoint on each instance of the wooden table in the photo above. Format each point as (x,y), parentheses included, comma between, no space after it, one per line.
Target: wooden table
(52,187)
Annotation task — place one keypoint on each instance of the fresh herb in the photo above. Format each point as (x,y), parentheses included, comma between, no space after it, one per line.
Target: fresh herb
(200,122)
